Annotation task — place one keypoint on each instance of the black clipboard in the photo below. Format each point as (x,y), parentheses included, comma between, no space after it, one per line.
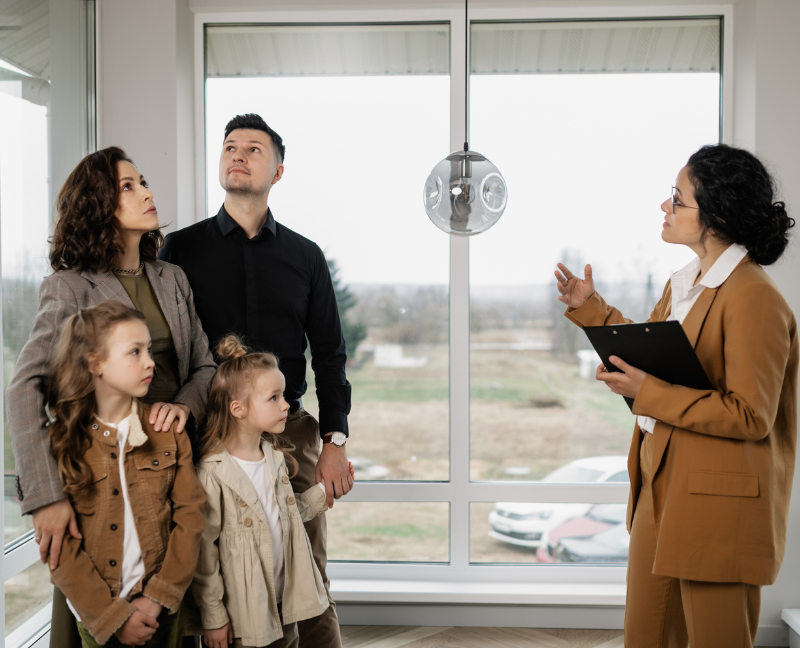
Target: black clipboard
(658,348)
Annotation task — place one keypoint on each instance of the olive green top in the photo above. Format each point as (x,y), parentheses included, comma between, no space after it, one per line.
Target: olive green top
(166,381)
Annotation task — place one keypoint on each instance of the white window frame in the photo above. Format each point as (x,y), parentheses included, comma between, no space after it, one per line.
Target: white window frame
(459,581)
(22,552)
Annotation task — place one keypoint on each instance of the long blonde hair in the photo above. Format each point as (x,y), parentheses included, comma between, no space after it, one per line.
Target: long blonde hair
(71,396)
(233,381)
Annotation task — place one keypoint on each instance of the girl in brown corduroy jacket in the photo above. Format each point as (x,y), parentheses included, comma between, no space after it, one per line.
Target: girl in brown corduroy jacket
(135,491)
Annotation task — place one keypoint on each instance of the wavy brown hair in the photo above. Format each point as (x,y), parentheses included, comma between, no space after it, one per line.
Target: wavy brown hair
(233,381)
(87,235)
(71,389)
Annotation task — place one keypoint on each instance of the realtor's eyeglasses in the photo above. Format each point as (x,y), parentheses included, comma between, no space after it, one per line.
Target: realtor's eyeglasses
(676,202)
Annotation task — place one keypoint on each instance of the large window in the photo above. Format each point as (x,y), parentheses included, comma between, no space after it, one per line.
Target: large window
(478,432)
(362,111)
(596,120)
(46,126)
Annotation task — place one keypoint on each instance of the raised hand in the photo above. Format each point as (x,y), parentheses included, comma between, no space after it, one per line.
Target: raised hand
(574,291)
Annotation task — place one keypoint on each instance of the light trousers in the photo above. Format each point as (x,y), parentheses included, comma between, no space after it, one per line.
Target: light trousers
(666,612)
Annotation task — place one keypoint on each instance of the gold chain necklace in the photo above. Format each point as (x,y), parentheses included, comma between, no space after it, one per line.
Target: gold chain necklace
(128,272)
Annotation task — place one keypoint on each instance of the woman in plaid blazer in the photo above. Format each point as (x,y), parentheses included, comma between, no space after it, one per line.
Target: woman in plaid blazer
(104,247)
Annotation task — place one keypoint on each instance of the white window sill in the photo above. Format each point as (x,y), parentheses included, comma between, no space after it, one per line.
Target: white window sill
(792,619)
(471,593)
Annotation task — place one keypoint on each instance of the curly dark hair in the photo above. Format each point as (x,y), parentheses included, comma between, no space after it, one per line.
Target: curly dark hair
(256,122)
(735,194)
(87,235)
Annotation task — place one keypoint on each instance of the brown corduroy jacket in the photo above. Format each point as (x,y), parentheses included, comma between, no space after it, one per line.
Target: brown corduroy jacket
(167,502)
(723,459)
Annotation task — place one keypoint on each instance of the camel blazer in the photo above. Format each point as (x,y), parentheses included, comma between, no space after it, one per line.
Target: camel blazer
(62,294)
(723,459)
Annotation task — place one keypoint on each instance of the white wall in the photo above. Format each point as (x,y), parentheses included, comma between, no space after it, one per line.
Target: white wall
(767,96)
(146,88)
(146,103)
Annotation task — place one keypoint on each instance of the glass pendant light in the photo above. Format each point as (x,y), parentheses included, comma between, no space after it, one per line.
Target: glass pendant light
(465,194)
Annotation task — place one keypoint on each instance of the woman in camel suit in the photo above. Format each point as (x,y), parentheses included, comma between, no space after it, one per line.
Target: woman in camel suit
(711,470)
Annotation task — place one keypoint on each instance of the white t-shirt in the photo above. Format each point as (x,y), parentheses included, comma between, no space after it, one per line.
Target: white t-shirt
(132,563)
(259,475)
(685,294)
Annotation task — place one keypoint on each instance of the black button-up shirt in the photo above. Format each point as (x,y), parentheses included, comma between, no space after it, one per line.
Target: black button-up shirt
(273,291)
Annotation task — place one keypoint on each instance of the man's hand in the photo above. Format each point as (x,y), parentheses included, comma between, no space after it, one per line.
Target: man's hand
(163,414)
(148,606)
(137,629)
(627,382)
(49,525)
(333,470)
(219,638)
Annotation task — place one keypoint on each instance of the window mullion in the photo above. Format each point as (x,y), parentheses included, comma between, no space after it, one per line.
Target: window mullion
(459,327)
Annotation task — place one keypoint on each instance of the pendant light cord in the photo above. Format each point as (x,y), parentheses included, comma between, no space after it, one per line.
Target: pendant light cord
(466,75)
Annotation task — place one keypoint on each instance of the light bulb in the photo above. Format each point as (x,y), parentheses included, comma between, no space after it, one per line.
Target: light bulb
(464,194)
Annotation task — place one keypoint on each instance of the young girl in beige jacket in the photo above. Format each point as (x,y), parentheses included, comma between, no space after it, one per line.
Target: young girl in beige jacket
(256,577)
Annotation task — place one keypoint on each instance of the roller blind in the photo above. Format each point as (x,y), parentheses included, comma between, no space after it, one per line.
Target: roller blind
(630,46)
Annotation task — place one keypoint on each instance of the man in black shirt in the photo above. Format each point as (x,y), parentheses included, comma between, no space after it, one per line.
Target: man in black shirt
(270,286)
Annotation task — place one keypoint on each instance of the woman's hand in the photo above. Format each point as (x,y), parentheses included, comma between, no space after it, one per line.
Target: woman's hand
(627,382)
(219,638)
(574,291)
(50,524)
(163,414)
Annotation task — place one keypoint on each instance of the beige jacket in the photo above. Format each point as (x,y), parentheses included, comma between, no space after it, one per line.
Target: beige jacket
(234,580)
(723,458)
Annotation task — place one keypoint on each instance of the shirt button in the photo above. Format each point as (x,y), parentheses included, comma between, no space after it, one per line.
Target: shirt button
(248,522)
(290,500)
(285,479)
(113,563)
(155,462)
(113,455)
(115,491)
(113,527)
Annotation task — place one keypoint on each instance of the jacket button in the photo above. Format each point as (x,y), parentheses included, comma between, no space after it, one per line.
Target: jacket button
(155,462)
(248,522)
(290,500)
(113,527)
(242,502)
(113,455)
(115,491)
(285,479)
(113,563)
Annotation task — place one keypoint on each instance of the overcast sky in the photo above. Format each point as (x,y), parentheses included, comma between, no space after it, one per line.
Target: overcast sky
(588,159)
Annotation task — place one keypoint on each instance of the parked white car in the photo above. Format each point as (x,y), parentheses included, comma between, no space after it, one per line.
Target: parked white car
(526,525)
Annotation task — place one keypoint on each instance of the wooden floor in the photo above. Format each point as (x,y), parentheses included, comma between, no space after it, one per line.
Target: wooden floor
(429,637)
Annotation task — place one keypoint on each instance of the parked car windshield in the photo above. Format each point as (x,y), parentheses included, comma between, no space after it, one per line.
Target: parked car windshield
(571,473)
(610,513)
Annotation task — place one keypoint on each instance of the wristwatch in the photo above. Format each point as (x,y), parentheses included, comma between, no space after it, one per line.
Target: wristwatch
(336,438)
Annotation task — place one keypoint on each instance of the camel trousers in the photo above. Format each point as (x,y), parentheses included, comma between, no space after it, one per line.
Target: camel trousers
(302,430)
(665,612)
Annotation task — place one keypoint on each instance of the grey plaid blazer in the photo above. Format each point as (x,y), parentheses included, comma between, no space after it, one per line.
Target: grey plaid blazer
(62,294)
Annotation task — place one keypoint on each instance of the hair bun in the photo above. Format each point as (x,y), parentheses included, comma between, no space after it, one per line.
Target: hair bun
(230,348)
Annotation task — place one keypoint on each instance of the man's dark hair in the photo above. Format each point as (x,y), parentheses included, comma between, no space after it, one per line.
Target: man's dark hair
(256,122)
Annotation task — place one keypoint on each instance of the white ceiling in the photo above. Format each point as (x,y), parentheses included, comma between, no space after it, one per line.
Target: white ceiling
(497,48)
(25,35)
